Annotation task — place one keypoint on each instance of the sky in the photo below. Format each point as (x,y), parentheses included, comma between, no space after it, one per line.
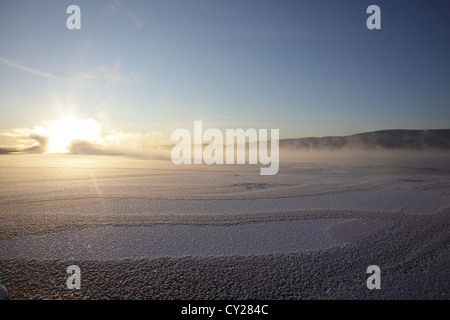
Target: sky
(145,68)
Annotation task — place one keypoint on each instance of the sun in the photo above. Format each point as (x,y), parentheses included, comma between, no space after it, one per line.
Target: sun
(62,132)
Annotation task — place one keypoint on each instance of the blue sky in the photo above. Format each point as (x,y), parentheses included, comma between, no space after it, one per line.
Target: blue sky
(308,68)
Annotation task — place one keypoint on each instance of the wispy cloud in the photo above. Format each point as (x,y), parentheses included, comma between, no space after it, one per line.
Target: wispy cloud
(111,75)
(137,20)
(117,6)
(110,6)
(28,69)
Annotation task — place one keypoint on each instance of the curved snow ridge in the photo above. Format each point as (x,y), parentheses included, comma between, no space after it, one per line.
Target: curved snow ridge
(162,240)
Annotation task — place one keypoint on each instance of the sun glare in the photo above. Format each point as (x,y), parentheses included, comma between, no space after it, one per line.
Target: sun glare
(68,129)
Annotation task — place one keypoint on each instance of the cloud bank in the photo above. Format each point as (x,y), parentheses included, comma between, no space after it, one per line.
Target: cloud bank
(41,139)
(149,145)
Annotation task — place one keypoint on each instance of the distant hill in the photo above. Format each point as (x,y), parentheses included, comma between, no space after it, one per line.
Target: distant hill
(385,139)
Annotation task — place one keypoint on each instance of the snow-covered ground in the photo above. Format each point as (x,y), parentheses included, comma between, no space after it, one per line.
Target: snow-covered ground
(109,208)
